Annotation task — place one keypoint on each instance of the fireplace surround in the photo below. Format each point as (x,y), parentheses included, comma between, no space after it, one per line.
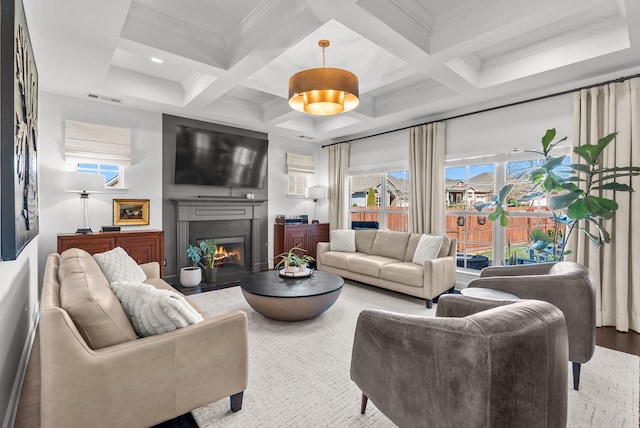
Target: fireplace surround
(234,221)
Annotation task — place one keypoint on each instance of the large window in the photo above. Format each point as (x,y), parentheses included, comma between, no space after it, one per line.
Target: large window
(382,199)
(482,243)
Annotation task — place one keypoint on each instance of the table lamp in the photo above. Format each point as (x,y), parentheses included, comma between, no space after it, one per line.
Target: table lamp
(84,183)
(315,193)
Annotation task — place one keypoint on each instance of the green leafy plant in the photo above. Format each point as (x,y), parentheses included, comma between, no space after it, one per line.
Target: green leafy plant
(203,254)
(568,201)
(208,252)
(290,258)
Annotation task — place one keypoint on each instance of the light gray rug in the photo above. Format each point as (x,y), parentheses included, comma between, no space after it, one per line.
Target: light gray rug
(299,372)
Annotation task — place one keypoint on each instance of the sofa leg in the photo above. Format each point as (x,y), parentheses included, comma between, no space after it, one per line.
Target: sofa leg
(429,303)
(363,404)
(576,375)
(236,401)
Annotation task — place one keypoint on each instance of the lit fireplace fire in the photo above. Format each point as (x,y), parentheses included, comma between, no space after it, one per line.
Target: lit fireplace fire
(226,257)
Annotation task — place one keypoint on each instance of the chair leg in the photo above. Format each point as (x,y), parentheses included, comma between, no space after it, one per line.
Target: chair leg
(363,404)
(236,401)
(429,303)
(576,375)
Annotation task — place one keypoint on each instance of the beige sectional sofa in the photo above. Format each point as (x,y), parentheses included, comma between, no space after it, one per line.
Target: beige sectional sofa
(384,259)
(97,373)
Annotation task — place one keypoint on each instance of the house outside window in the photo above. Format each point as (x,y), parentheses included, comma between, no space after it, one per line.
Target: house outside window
(483,243)
(113,174)
(382,198)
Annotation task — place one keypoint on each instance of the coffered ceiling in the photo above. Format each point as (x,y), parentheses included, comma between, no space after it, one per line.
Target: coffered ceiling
(229,61)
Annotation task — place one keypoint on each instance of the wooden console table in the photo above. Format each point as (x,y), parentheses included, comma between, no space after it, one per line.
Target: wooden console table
(307,236)
(143,246)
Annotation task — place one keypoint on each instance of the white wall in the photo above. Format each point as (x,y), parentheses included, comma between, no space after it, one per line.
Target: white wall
(279,202)
(60,211)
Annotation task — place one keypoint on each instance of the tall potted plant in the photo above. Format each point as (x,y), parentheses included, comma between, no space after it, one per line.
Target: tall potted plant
(208,251)
(569,202)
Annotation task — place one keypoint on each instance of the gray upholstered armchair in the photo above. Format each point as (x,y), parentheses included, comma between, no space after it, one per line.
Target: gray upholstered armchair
(479,363)
(567,285)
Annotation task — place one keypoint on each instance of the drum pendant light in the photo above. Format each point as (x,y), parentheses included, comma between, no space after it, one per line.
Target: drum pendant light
(323,91)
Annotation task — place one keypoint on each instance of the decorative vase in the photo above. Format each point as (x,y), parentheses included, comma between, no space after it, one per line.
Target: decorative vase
(190,276)
(210,275)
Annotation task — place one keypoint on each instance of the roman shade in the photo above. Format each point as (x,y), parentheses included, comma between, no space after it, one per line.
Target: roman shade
(92,143)
(300,164)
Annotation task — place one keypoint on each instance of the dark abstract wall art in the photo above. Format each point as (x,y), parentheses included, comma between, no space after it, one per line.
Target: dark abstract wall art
(18,132)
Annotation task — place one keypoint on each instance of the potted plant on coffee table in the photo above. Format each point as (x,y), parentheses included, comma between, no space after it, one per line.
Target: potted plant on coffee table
(191,276)
(293,263)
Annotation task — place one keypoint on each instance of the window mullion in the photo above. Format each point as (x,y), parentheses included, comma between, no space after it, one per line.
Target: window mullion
(499,232)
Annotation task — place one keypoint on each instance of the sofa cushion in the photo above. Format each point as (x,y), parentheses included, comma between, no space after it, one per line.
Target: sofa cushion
(446,246)
(364,240)
(86,296)
(369,265)
(152,310)
(337,259)
(161,284)
(427,249)
(405,273)
(390,244)
(412,243)
(343,240)
(117,265)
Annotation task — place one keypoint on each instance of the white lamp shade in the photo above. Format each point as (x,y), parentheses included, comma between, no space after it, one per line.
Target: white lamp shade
(315,192)
(83,182)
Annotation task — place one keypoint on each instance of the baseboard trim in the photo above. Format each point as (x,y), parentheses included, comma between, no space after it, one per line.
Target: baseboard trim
(14,400)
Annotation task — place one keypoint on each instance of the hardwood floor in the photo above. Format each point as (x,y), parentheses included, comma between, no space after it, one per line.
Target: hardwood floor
(28,415)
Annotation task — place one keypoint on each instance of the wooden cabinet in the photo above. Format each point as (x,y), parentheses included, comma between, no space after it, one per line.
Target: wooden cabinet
(143,246)
(307,236)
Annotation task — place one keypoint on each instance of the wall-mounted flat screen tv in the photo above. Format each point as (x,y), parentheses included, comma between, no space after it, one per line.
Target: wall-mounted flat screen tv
(213,158)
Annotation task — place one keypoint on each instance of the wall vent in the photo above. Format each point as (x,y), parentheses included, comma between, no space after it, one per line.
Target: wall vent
(104,98)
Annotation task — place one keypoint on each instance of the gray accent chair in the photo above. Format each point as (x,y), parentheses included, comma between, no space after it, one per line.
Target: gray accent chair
(567,285)
(478,363)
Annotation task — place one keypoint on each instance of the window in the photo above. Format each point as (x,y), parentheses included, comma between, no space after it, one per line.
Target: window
(483,243)
(113,174)
(299,169)
(381,198)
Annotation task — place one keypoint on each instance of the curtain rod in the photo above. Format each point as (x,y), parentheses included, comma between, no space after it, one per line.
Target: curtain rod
(618,80)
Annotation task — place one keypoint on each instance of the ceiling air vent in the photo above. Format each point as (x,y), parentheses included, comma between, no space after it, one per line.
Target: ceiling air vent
(104,98)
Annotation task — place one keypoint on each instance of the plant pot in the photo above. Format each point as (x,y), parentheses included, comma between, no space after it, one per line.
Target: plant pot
(210,275)
(190,276)
(290,269)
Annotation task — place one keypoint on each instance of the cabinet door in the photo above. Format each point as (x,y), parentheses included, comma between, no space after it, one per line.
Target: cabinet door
(141,249)
(92,244)
(296,236)
(317,233)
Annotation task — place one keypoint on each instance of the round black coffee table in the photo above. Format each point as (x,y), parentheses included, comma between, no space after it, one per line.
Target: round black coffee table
(291,299)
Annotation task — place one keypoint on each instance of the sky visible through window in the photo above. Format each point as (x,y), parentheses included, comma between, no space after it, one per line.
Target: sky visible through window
(109,171)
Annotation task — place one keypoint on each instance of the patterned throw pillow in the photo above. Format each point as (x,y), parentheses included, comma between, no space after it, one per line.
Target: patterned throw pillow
(152,310)
(117,265)
(343,241)
(427,249)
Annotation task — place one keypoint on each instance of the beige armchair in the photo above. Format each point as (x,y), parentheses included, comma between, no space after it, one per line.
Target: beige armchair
(567,285)
(479,363)
(138,382)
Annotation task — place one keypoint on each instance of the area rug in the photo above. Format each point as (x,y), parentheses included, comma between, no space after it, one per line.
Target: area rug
(299,372)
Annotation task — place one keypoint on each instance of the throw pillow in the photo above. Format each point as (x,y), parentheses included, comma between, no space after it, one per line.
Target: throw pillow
(427,249)
(343,241)
(117,265)
(152,310)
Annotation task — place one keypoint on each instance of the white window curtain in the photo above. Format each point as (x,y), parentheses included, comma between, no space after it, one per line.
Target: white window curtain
(298,164)
(92,143)
(596,113)
(339,186)
(426,178)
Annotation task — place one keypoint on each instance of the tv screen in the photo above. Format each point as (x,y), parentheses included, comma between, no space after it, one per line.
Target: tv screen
(216,158)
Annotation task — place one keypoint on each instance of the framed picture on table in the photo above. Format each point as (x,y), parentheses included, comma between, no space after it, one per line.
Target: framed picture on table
(130,212)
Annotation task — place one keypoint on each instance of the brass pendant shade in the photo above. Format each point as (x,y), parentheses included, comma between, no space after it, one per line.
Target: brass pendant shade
(323,91)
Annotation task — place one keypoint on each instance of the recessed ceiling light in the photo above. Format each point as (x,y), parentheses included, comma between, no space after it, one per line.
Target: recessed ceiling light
(156,60)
